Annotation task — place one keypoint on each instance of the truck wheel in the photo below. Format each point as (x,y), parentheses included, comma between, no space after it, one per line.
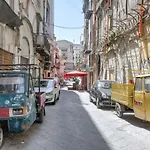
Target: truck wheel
(1,137)
(41,115)
(118,110)
(99,106)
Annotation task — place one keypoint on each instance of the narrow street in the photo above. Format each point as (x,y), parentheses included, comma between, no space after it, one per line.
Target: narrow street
(76,124)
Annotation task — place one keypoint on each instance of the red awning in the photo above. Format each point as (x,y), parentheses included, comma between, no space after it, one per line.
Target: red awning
(75,74)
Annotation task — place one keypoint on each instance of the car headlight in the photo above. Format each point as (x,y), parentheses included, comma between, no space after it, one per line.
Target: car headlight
(50,93)
(104,95)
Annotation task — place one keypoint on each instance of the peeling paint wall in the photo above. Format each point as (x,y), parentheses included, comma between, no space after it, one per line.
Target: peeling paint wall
(131,52)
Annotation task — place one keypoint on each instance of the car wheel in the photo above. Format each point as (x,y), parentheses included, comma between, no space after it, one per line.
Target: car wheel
(99,106)
(58,95)
(91,99)
(54,100)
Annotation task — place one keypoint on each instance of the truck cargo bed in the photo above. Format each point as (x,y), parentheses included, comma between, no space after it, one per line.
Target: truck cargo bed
(123,94)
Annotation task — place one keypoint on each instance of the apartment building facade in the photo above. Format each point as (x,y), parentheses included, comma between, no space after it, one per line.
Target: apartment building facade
(77,55)
(88,47)
(26,31)
(122,39)
(66,54)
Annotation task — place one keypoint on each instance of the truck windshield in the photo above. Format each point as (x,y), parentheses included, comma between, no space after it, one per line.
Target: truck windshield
(147,84)
(11,85)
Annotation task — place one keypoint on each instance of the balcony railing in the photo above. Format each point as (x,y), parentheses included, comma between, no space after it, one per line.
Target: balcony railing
(42,43)
(89,11)
(8,16)
(87,49)
(88,14)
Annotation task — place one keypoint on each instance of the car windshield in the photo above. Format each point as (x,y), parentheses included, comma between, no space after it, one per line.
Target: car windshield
(104,85)
(147,84)
(51,83)
(43,83)
(12,85)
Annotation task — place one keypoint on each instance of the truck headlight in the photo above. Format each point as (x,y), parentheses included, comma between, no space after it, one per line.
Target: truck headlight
(17,111)
(22,111)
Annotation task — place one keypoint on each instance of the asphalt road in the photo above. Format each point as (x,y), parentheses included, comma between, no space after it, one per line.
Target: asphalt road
(76,124)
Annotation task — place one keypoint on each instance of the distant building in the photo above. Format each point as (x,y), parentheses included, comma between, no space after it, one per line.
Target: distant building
(77,54)
(66,53)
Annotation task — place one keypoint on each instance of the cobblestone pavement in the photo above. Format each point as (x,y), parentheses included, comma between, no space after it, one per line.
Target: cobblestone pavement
(76,124)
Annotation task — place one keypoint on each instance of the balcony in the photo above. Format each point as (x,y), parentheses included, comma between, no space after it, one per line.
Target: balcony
(47,59)
(86,49)
(88,13)
(6,15)
(42,45)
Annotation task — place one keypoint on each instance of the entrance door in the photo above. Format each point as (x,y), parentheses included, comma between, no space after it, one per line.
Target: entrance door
(147,97)
(111,74)
(138,103)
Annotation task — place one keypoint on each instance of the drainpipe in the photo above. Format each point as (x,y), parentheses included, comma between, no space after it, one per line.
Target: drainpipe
(107,27)
(44,8)
(94,34)
(141,20)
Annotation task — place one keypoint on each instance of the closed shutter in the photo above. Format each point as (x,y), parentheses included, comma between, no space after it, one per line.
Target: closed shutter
(5,58)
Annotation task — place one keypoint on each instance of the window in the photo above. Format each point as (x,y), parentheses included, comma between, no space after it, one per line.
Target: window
(51,83)
(138,84)
(31,84)
(39,3)
(49,74)
(47,14)
(147,84)
(104,85)
(127,7)
(98,28)
(11,84)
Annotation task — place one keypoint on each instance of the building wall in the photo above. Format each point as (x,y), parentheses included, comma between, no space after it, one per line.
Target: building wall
(122,49)
(77,54)
(123,53)
(20,42)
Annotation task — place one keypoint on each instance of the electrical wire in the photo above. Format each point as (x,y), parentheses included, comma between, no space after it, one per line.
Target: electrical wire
(68,27)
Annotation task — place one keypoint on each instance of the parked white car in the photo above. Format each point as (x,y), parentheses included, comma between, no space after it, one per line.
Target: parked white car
(51,89)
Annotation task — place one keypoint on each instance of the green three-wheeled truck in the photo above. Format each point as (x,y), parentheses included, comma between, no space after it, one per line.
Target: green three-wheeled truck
(20,106)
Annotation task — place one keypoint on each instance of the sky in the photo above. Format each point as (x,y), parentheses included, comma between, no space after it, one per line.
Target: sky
(68,13)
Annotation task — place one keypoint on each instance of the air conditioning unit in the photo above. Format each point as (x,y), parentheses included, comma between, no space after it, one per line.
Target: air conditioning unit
(139,2)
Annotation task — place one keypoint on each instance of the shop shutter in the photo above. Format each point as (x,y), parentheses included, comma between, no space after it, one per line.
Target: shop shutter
(5,58)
